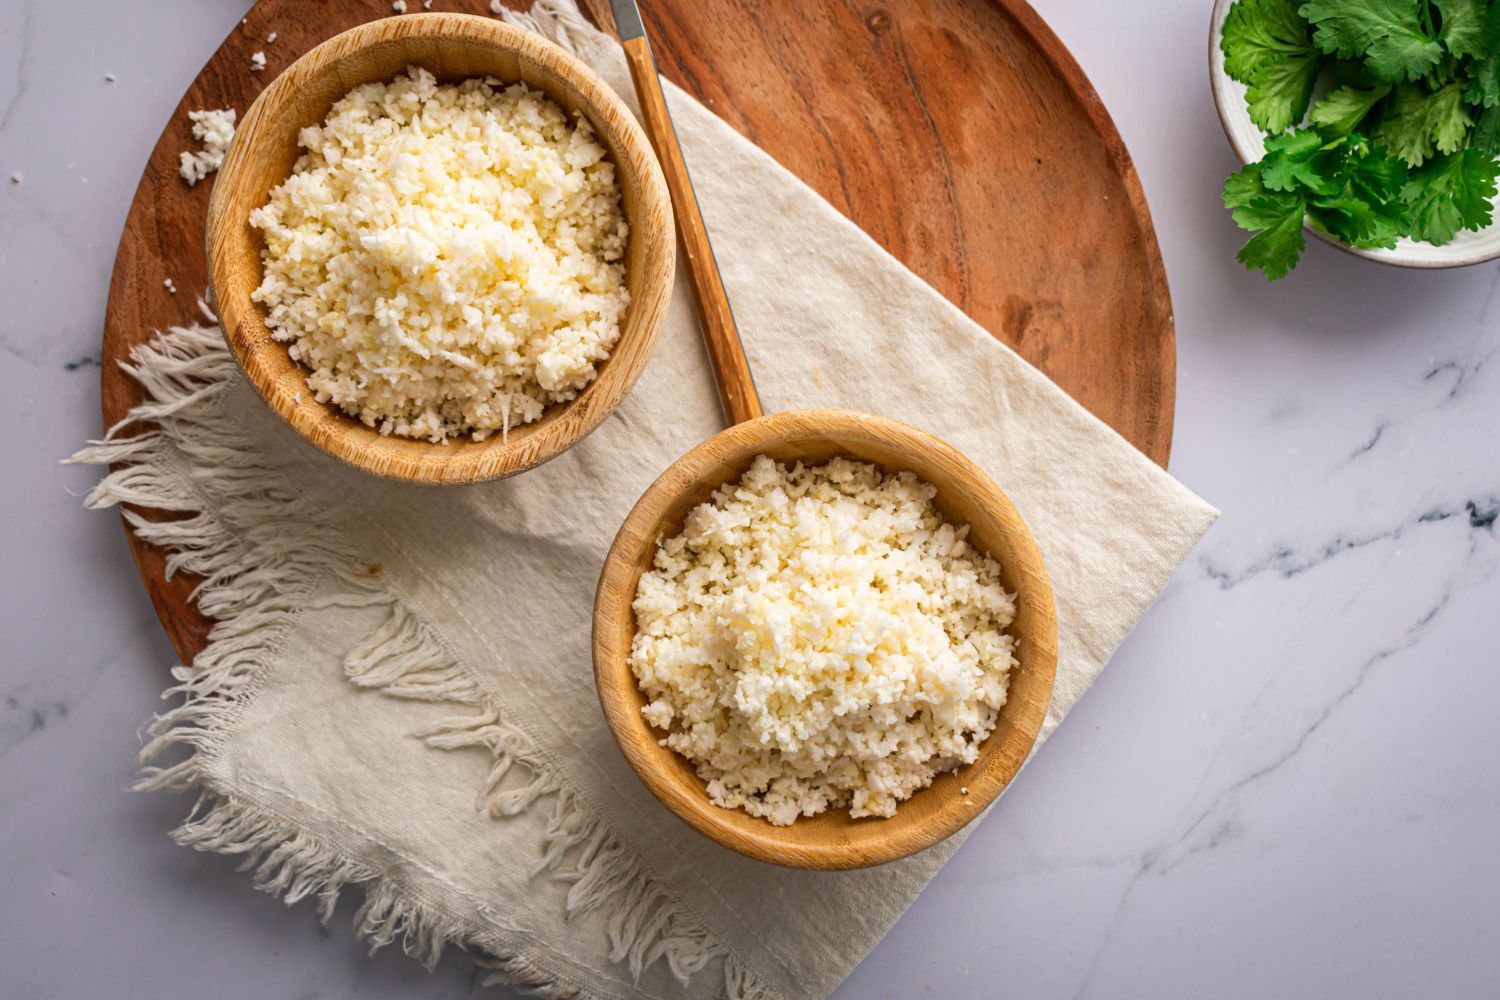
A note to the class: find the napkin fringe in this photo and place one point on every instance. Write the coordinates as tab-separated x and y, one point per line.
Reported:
403	659
261	550
559	21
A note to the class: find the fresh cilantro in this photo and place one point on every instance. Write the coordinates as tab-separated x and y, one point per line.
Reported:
1450	118
1463	27
1486	137
1419	123
1343	109
1482	86
1277	248
1369	211
1352	220
1275	217
1451	193
1344	185
1300	159
1267	48
1349	73
1387	33
1256	206
1419	78
1377	175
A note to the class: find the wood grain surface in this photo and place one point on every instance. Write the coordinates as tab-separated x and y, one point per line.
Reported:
958	133
831	840
455	46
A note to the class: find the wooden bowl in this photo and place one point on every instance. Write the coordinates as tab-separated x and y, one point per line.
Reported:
830	840
453	47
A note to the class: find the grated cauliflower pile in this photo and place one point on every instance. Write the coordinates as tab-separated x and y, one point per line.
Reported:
818	638
446	259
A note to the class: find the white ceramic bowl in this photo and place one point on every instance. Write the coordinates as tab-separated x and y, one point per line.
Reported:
1229	94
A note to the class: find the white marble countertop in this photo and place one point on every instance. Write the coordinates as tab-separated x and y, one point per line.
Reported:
1287	783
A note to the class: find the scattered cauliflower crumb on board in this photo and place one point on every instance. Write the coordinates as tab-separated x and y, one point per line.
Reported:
820	638
257	62
215	130
399	6
446	259
169	285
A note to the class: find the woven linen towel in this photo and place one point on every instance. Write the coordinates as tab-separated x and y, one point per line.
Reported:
388	655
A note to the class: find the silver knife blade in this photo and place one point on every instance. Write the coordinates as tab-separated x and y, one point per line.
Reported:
627	19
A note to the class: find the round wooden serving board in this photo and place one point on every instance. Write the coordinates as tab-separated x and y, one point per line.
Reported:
960	134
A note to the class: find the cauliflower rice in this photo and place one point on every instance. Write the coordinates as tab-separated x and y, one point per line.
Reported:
822	637
446	259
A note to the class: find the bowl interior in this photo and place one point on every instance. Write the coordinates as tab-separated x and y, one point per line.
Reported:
965	495
453	47
1249	145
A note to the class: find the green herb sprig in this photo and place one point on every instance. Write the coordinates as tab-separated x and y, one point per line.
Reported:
1403	143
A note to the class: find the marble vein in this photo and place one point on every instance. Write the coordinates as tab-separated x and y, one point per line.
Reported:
1287	561
1218	822
1219	816
23	82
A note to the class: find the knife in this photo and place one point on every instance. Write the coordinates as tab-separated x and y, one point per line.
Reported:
737	395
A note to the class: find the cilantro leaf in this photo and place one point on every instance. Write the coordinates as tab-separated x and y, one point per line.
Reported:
1451	193
1277	248
1343	109
1277	215
1368	211
1419	123
1350	219
1267	47
1257	32
1482	87
1385	32
1377	175
1253	205
1279	96
1486	135
1450	118
1463	27
1300	159
1349	73
1243	186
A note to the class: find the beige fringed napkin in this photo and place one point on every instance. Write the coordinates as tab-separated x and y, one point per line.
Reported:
387	656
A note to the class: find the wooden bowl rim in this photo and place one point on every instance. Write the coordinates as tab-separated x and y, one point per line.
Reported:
619	692
459	460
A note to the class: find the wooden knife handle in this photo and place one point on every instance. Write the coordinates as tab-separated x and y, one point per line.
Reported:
731	371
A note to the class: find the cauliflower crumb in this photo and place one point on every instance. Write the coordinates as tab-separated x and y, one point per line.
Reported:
496	7
170	286
215	129
399	6
446	259
257	62
271	38
818	638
